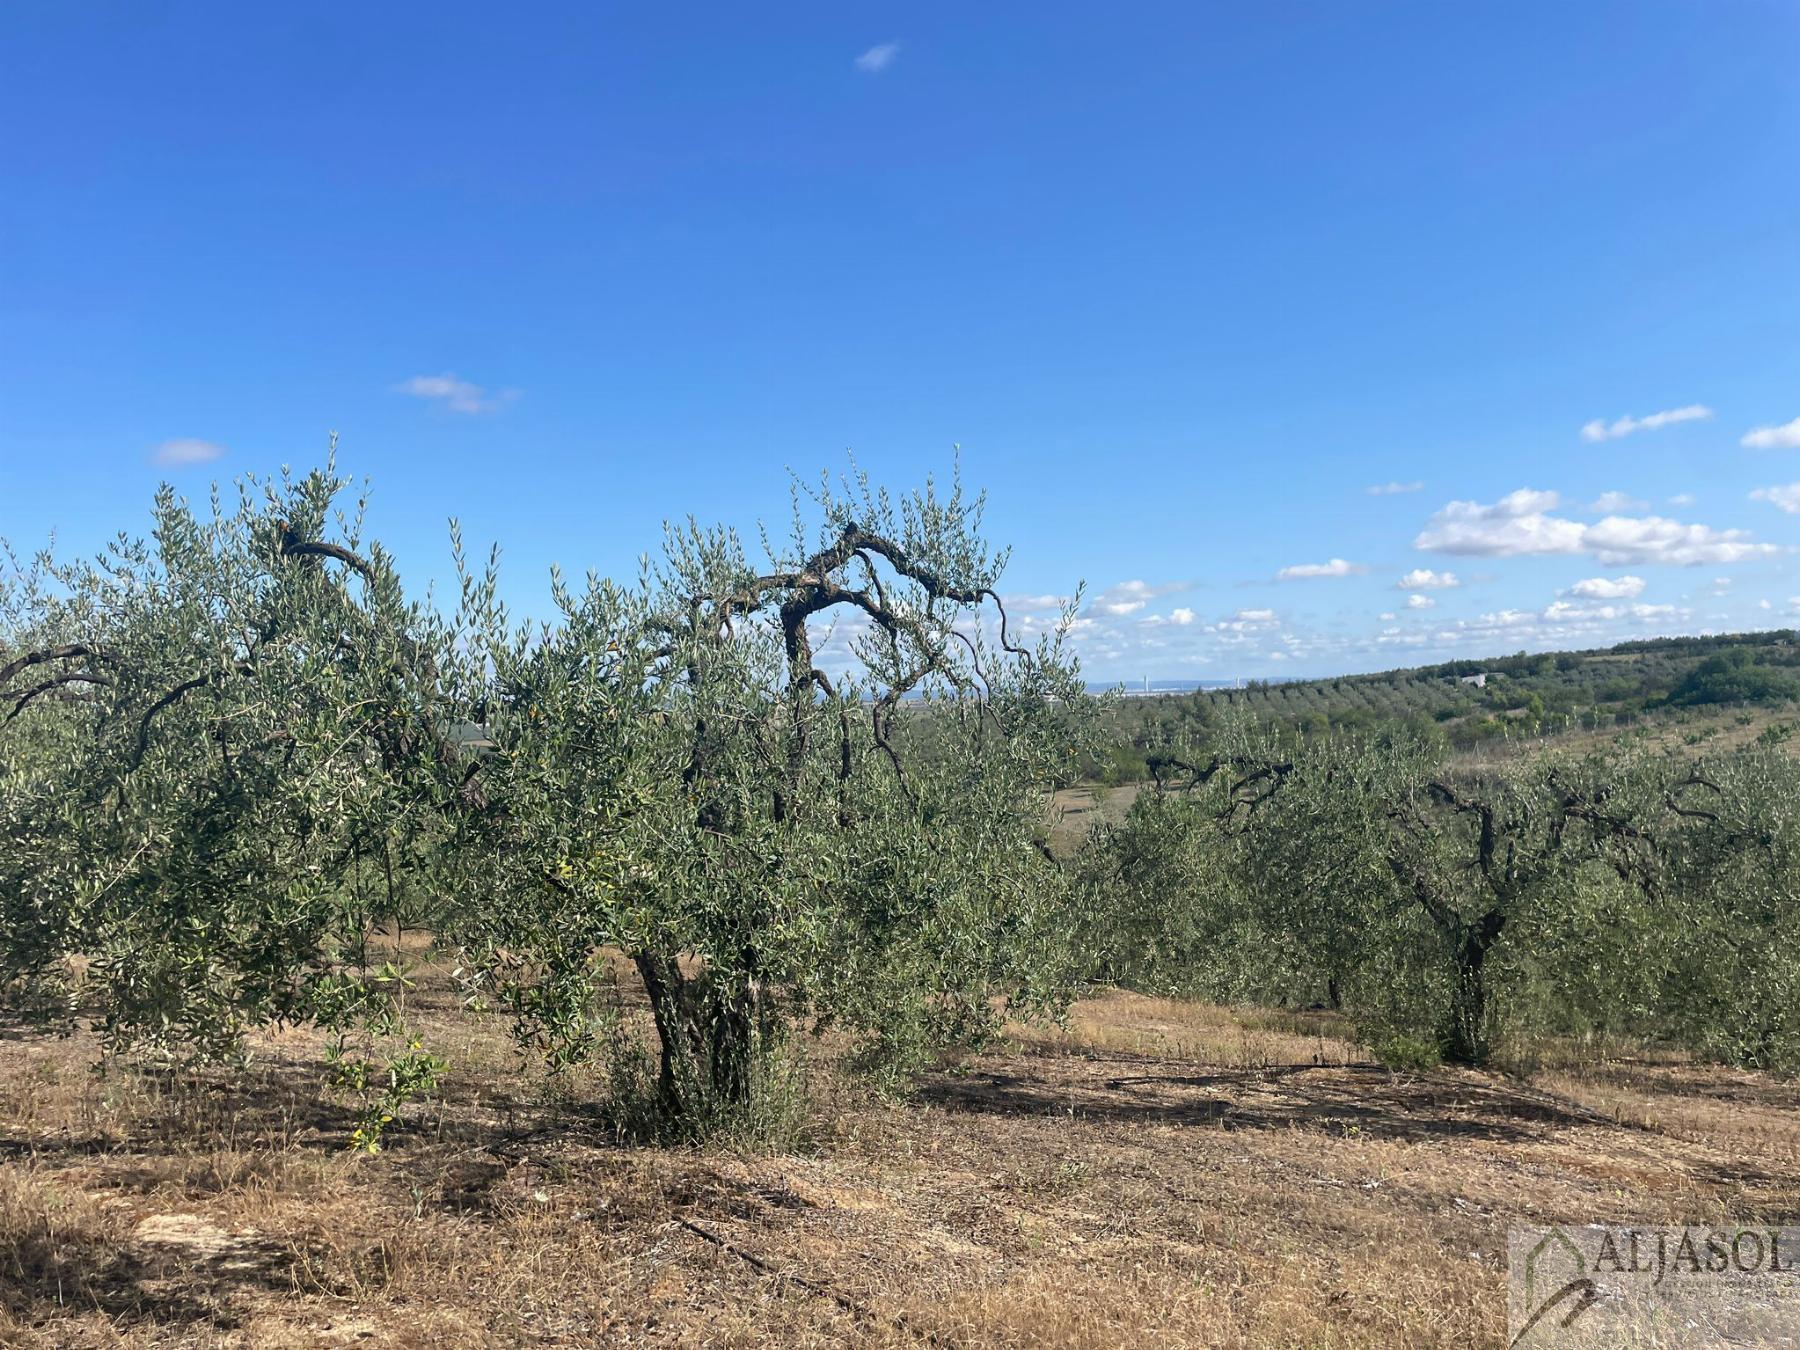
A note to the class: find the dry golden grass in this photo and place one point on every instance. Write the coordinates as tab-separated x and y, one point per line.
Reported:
1160	1173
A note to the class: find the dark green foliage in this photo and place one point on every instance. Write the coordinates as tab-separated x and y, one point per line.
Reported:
1636	893
1736	675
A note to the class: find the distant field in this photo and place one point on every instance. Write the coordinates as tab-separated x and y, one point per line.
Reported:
1712	692
1159	1173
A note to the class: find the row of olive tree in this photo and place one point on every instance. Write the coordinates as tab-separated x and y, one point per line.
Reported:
228	752
1624	889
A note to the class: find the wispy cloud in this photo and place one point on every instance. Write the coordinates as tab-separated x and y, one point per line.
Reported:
1420	602
1520	525
1619	503
1247	620
187	450
1787	497
1424	579
1033	604
1783	437
454	394
878	58
1128	597
1337	567
1565	611
1601	430
1393	489
1608	588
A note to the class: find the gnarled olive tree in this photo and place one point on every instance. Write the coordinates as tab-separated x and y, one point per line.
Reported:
806	792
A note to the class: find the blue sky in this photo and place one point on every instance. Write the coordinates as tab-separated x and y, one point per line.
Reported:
1185	282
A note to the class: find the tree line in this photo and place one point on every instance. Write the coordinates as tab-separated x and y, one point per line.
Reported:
234	750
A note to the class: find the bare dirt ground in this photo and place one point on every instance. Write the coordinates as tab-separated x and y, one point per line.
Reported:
1159	1173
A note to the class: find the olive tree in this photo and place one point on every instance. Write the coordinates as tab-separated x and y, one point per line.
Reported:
810	792
1410	888
212	742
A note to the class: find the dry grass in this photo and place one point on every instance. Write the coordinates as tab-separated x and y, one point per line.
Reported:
1160	1173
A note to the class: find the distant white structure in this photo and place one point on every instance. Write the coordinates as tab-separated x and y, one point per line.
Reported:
1479	681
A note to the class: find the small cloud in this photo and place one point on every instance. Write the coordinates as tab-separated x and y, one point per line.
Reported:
1618	503
455	395
1181	617
1608	588
1387	617
1393	489
1601	430
1246	620
1424	579
1764	604
1337	567
1420	602
187	450
1683	499
1128	597
1784	437
878	58
1786	498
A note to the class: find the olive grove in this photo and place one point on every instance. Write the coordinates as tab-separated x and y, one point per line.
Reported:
231	751
1448	903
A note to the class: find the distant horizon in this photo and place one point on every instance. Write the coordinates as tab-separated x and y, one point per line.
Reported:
1170	685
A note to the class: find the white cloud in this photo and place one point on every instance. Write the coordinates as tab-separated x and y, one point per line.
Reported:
1784	437
1516	524
1420	602
1128	597
878	58
1520	525
1601	430
187	450
1608	588
1181	617
456	395
1337	567
1652	539
1764	604
1386	617
1424	579
1392	489
1618	503
1786	497
1682	499
1246	621
1564	611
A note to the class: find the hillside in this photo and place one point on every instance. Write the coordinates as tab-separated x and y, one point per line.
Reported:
1655	683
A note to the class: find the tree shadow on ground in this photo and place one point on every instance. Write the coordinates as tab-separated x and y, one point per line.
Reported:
46	1273
1363	1100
